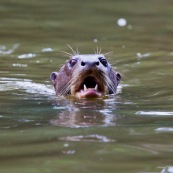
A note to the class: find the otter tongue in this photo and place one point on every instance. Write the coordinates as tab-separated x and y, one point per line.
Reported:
90	92
96	88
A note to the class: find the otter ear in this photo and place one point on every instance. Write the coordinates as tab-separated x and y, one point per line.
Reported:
53	76
118	76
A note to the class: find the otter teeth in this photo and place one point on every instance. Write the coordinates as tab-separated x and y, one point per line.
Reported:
96	87
85	87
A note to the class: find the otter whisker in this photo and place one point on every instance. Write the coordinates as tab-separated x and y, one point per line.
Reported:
100	50
110	86
107	53
70	55
66	88
106	81
72	49
95	52
109	83
65	91
77	51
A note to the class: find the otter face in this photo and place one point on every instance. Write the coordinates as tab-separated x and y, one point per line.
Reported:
86	76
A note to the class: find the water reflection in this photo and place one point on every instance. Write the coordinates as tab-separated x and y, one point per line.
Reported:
85	113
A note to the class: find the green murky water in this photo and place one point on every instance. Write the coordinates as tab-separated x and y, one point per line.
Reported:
130	133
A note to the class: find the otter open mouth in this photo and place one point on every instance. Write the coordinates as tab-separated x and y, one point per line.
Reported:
90	88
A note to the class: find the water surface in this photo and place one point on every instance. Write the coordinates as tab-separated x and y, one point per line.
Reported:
131	132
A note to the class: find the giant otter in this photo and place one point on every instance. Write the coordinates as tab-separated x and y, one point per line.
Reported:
86	76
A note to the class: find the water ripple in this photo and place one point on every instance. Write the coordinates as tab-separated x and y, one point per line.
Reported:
29	55
47	49
5	51
154	113
164	129
88	138
25	84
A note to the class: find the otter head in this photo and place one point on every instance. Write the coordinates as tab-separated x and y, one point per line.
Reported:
86	76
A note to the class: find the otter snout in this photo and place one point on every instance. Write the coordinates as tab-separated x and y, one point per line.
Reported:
90	63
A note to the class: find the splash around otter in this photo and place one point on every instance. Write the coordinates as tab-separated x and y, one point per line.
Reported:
86	76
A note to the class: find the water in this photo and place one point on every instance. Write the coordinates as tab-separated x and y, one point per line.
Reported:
131	132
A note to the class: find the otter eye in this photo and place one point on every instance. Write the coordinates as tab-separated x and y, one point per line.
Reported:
103	61
72	62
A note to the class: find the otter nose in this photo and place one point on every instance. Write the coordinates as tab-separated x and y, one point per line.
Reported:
90	63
